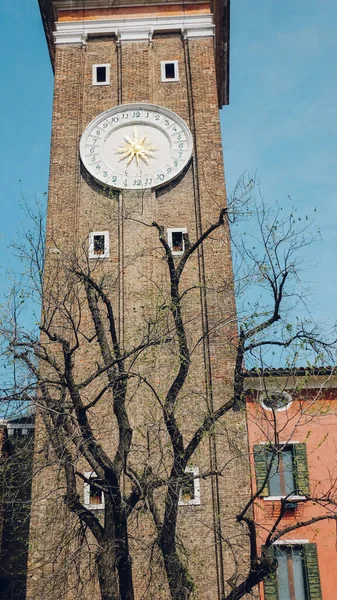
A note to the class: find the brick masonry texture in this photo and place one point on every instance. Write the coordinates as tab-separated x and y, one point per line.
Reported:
138	280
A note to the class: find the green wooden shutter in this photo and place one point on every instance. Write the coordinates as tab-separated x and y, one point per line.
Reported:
301	469
270	582
260	458
312	571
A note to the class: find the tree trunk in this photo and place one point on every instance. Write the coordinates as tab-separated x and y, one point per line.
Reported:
114	567
181	585
107	572
124	562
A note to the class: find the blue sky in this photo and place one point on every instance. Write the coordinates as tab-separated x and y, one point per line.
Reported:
282	120
281	123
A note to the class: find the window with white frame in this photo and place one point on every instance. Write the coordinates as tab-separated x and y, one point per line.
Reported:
175	239
190	487
169	70
93	494
101	74
99	244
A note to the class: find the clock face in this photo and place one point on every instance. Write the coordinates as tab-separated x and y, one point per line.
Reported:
136	146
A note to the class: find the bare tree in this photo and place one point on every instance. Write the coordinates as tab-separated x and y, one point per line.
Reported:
147	474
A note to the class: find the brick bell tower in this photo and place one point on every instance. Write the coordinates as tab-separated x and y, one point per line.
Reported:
136	139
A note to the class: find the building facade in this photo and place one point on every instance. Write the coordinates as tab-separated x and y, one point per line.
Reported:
136	184
292	437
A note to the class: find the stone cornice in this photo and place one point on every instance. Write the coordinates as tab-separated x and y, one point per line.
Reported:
92	4
50	10
133	29
301	379
221	13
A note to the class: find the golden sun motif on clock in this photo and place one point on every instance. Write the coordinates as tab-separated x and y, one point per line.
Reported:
137	148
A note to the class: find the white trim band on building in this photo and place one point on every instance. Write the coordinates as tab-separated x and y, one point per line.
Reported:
94	4
140	29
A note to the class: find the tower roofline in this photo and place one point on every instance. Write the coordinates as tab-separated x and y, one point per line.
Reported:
304	377
51	9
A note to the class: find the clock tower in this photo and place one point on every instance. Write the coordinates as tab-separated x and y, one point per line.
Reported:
136	180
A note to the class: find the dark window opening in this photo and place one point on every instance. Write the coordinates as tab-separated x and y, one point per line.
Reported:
177	241
101	74
95	494
170	72
17	432
99	245
187	488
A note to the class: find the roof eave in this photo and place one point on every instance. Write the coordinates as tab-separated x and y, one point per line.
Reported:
48	20
221	12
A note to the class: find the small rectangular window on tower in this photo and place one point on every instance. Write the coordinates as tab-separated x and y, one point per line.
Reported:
101	74
93	496
175	239
190	488
99	244
169	70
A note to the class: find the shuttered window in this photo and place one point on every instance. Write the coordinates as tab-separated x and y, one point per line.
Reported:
261	468
301	469
297	575
288	470
312	571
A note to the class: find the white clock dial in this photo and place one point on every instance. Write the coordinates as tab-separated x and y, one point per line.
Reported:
136	146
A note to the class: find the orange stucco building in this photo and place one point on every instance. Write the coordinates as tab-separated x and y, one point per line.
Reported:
292	428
